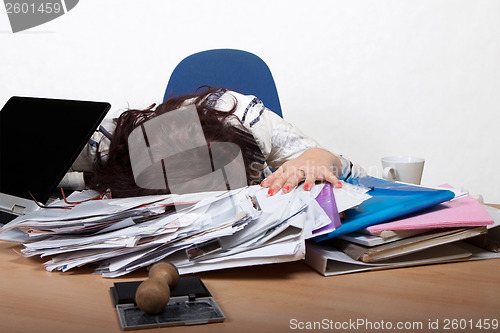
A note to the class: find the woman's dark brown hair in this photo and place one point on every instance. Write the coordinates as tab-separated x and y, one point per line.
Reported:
114	171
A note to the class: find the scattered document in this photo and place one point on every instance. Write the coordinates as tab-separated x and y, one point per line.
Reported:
196	232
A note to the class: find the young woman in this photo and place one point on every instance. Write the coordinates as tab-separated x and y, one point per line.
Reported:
267	142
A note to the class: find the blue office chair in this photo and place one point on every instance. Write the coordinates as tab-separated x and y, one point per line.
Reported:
235	70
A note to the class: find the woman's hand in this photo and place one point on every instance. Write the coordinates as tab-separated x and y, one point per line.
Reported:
313	165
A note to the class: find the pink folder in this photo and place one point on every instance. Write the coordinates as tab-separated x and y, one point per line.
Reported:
462	212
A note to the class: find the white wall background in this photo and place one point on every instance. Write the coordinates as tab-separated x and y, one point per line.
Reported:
365	78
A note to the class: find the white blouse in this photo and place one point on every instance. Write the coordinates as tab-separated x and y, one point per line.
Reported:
278	139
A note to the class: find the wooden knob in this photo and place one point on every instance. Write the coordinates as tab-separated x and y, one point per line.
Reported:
153	294
165	271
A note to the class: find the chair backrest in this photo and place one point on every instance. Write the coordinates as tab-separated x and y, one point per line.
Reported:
235	70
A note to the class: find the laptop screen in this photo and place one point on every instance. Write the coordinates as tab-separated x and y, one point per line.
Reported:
39	141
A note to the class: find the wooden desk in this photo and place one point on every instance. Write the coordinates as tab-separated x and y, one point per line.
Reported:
268	298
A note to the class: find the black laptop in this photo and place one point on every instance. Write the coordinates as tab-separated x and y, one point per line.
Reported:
40	138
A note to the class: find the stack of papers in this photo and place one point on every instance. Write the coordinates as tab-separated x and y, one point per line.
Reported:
196	232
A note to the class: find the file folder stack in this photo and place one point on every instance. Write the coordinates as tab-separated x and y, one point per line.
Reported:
403	225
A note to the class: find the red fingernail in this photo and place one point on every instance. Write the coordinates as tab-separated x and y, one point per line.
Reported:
286	189
307	187
271	191
339	184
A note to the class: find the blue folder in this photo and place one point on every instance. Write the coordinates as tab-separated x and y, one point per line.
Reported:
389	201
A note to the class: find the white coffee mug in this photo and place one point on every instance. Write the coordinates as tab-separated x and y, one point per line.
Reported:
407	169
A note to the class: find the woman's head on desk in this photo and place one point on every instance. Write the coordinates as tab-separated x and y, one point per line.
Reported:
212	141
183	145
